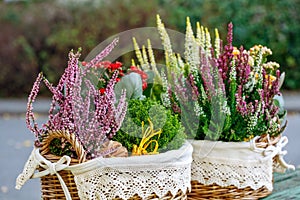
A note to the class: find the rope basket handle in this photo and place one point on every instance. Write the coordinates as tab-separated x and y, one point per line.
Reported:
70	137
265	140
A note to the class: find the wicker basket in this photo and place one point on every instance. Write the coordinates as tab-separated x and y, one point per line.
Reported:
214	191
50	184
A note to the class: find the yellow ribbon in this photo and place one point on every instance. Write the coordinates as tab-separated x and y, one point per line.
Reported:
147	135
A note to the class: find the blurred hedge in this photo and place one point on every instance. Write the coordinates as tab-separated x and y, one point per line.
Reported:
37	35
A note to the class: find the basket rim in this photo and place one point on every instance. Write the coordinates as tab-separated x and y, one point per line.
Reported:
70	137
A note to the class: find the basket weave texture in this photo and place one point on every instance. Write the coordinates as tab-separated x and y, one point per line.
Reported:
50	185
214	191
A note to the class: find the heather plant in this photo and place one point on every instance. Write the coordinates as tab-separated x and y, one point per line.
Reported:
78	107
220	92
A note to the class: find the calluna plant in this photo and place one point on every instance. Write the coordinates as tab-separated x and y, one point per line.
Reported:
78	106
221	92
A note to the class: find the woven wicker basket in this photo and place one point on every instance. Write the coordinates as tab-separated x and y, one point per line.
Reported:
200	191
50	184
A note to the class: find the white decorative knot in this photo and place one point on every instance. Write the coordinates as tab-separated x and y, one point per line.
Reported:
276	150
35	160
53	168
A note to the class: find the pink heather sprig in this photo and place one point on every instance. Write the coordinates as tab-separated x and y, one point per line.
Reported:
121	110
225	58
241	104
106	118
63	97
206	74
30	118
269	90
180	89
243	68
192	85
93	117
102	55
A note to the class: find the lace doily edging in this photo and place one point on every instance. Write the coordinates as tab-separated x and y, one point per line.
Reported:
240	176
108	183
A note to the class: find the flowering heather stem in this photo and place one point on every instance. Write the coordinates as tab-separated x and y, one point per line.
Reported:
102	55
226	57
30	118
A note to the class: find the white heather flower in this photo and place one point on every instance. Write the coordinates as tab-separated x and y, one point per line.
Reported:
207	42
138	52
232	73
180	63
165	99
251	123
151	57
145	66
157	77
199	110
200	35
191	52
164	81
217	43
170	57
225	108
133	62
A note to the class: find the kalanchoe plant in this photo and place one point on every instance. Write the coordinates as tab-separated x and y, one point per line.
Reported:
105	70
220	92
78	106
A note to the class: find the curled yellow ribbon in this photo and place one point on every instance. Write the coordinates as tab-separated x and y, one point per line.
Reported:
147	135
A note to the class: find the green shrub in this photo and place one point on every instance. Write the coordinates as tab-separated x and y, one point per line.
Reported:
172	136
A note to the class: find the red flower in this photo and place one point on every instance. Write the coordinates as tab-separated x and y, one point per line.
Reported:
133	68
118	79
143	75
144	86
121	73
115	65
103	64
84	63
102	90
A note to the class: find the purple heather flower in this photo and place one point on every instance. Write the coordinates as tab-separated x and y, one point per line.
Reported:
193	87
30	119
93	117
225	58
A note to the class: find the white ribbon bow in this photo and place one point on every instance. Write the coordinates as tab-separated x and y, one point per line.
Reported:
275	150
53	168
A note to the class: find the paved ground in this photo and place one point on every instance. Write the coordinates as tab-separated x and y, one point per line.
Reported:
16	144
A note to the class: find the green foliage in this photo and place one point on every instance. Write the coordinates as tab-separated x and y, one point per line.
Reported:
60	147
132	84
172	136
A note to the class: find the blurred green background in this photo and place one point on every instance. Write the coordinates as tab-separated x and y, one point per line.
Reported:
37	35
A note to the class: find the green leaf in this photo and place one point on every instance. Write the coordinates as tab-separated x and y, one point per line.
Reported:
132	83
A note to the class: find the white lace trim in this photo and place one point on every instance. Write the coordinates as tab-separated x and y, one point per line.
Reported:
226	172
108	178
142	175
108	183
240	164
29	169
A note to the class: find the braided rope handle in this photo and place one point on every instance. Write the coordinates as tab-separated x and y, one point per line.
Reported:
70	137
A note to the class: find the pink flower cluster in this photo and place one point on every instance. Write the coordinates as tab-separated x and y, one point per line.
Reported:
79	107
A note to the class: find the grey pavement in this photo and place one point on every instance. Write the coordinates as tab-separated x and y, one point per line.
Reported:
16	143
